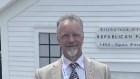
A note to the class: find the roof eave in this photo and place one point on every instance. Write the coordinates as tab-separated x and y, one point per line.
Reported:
7	4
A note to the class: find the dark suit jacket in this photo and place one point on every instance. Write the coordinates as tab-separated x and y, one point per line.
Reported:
94	70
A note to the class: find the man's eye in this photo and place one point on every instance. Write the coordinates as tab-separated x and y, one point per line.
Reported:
65	36
76	35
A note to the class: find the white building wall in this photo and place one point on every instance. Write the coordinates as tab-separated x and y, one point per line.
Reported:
123	63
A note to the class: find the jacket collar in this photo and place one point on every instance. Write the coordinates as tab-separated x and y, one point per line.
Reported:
89	67
56	71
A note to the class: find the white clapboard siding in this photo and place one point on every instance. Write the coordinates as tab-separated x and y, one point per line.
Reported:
21	39
20	29
31	24
86	24
21	68
28	44
105	23
21	77
22	59
94	19
126	75
84	8
113	50
22	48
123	63
89	35
16	63
88	14
124	66
88	2
113	56
20	33
22	53
16	73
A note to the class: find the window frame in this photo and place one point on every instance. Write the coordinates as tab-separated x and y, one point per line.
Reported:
53	51
38	30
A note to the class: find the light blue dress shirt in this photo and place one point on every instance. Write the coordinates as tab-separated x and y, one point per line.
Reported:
67	69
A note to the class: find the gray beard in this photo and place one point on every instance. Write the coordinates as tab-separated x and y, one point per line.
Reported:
72	53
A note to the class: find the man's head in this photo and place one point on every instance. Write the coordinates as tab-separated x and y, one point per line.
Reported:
70	36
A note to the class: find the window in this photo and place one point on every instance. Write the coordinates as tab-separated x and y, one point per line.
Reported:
49	49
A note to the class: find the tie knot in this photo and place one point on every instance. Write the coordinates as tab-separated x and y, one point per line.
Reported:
73	65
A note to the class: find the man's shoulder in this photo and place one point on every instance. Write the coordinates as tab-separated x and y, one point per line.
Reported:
95	62
49	66
99	65
100	68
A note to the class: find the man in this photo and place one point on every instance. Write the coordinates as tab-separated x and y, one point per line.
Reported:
70	37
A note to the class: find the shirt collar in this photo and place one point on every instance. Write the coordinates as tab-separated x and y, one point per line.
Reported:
66	62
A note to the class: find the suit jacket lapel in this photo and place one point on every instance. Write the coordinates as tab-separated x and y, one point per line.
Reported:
56	70
89	67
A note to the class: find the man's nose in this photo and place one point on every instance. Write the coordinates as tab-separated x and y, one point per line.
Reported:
71	38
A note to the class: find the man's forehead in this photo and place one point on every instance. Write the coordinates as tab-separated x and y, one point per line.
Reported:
67	21
70	25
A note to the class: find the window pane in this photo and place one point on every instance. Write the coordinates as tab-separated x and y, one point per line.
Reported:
43	50
43	38
53	39
55	50
54	59
49	49
43	61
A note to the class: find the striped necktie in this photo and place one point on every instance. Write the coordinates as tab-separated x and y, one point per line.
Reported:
74	74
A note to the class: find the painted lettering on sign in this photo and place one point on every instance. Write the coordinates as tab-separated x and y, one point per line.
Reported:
118	37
